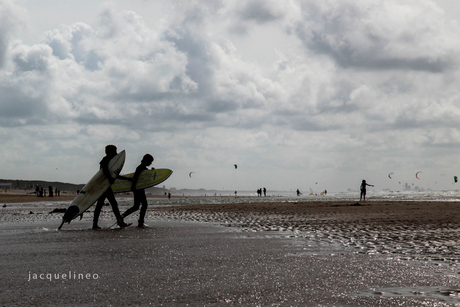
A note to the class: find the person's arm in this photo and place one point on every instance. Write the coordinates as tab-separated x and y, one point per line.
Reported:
105	170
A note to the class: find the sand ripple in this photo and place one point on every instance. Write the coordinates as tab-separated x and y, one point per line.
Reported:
401	230
394	232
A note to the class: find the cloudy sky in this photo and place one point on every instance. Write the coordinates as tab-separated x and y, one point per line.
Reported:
298	93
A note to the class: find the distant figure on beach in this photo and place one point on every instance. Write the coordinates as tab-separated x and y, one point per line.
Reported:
298	192
169	195
139	195
265	192
37	191
50	190
110	152
363	189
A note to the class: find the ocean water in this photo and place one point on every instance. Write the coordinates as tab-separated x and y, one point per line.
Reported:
289	196
207	197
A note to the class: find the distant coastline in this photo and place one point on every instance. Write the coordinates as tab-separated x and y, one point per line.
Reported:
29	185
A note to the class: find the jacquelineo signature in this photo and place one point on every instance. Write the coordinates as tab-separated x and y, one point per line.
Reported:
62	276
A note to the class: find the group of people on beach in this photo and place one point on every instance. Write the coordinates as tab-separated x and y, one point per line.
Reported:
260	191
41	192
140	198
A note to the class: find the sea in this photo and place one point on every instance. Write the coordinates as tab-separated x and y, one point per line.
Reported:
214	197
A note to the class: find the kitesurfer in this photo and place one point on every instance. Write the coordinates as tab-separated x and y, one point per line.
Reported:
139	194
363	189
110	152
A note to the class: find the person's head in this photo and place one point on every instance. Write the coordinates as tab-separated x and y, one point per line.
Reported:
147	159
364	181
111	150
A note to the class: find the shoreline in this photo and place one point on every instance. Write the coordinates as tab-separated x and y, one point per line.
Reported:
17	198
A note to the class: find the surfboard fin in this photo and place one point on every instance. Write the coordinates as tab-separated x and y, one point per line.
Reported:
63	221
81	216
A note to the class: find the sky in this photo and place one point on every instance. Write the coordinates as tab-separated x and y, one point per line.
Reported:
299	94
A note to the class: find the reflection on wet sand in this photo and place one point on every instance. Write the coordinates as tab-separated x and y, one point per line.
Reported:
413	231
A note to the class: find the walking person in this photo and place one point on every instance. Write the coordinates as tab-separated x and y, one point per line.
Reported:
139	194
110	151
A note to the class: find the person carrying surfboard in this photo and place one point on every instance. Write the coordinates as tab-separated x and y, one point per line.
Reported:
139	194
110	151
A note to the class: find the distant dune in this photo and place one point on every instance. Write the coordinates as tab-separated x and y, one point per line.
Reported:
31	184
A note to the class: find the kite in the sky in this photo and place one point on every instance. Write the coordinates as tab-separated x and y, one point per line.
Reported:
236	166
389	175
455	179
416	175
190	174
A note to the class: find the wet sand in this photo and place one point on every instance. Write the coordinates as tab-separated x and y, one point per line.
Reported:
324	253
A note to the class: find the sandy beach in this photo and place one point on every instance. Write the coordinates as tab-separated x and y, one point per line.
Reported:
271	253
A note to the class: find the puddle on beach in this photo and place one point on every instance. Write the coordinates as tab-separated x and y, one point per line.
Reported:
439	294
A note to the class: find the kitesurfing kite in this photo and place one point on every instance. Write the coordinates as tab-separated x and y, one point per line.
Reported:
455	179
190	174
389	175
236	166
416	175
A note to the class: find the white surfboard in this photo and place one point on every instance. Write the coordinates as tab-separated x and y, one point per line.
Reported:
94	189
147	179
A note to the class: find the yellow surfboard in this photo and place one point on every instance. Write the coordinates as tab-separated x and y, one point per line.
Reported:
146	179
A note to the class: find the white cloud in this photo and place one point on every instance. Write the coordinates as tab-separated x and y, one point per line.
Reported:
12	19
366	87
380	34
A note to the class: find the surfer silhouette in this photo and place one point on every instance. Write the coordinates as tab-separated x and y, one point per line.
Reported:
139	195
110	151
363	189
